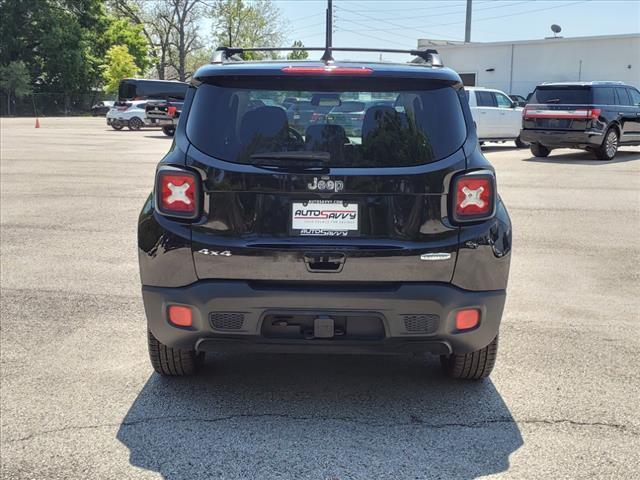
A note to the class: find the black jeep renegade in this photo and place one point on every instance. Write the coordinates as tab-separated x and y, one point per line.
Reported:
259	236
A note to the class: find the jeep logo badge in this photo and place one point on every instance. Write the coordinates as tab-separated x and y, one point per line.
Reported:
325	184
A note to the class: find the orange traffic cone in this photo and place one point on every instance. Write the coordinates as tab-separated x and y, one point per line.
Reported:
37	123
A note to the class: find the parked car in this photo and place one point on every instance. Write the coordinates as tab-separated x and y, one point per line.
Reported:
350	115
497	117
595	116
303	113
260	236
519	100
128	114
100	109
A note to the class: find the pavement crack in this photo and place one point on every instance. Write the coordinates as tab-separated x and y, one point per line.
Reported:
414	421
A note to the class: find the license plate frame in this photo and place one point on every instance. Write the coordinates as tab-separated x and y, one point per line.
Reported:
307	217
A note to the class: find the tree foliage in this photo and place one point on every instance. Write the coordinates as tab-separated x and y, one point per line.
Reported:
14	82
121	31
240	24
298	54
120	64
171	30
63	43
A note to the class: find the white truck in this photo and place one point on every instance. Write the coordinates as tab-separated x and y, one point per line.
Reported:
497	117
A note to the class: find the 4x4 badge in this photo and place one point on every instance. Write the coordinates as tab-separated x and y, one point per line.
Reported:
206	251
326	184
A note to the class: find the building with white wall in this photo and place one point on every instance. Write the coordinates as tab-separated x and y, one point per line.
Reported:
517	67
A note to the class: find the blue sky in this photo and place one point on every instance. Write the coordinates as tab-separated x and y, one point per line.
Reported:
398	24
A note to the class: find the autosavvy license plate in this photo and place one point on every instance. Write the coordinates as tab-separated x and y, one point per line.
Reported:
328	218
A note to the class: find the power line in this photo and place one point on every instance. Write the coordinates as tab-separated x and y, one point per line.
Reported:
400	26
422	26
413	9
511	14
458	12
392	30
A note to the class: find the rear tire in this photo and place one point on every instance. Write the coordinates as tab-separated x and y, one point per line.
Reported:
169	131
609	146
117	125
172	362
520	143
135	123
539	150
471	366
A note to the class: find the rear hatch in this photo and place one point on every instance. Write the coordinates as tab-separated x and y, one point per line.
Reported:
560	107
164	109
312	201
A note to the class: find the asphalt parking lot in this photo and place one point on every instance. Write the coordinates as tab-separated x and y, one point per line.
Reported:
79	399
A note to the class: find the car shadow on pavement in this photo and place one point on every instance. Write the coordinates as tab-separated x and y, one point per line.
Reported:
319	417
581	157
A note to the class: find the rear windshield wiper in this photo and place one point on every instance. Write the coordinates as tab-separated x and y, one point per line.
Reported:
296	159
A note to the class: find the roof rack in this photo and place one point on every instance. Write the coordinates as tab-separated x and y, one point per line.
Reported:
226	54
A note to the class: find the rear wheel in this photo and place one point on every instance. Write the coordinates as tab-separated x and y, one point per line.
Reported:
169	131
172	362
117	125
540	150
609	146
135	124
471	366
520	143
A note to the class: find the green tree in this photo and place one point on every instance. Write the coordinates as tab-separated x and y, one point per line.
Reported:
121	31
120	64
240	24
298	54
14	82
60	41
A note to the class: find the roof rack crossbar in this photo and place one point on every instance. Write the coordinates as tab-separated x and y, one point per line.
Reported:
224	54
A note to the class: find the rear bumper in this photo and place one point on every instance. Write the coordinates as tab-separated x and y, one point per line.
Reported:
393	306
563	138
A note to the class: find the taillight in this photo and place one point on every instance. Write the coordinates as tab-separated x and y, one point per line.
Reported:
177	192
539	111
474	196
171	111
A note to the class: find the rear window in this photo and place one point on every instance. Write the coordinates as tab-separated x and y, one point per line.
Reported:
573	95
400	126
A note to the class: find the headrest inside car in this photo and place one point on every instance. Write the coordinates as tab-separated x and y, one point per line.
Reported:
268	122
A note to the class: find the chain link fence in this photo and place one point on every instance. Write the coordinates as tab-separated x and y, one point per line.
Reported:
52	104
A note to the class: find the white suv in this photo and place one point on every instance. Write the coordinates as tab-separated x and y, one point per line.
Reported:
129	114
496	116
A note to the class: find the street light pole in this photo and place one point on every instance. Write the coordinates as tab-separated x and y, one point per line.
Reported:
467	27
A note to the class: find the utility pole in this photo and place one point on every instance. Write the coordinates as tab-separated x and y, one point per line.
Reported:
327	56
467	27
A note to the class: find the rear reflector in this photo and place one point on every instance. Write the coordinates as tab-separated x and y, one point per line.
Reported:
330	69
180	316
171	111
575	114
177	193
467	319
474	197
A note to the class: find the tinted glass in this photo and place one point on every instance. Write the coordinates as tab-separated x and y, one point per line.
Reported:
635	96
621	97
485	99
130	89
503	101
604	96
422	125
572	95
349	107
